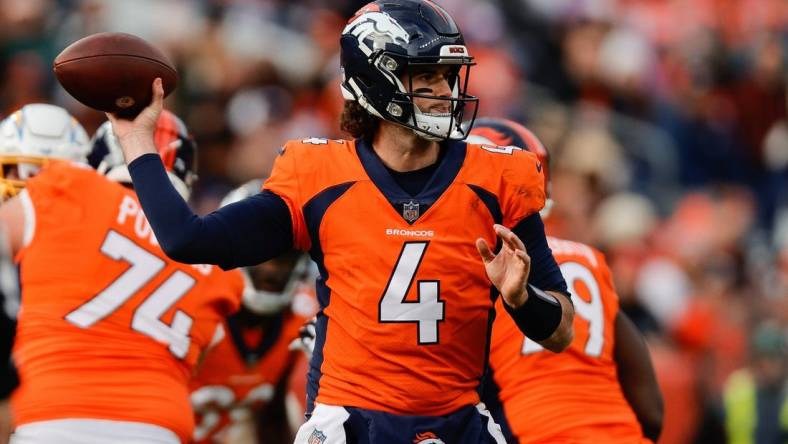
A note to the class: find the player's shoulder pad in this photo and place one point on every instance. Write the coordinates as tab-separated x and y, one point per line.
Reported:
512	174
312	154
509	161
65	175
312	146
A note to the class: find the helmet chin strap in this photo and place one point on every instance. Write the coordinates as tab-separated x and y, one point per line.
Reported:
439	126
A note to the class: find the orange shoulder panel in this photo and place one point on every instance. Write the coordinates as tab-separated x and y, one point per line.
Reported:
515	176
306	167
62	181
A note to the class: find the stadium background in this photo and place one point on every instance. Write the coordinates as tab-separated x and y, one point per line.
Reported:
666	120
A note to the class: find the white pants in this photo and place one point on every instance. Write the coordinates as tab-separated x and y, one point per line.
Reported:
92	431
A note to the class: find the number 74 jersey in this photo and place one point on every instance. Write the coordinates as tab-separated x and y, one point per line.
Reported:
572	396
110	328
406	301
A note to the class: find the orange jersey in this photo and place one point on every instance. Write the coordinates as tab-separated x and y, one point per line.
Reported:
573	396
109	327
404	294
236	378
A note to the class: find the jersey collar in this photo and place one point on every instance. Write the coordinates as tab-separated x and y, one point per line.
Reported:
448	168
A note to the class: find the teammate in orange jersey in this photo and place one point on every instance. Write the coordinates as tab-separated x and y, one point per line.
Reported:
400	223
243	380
109	329
602	389
27	136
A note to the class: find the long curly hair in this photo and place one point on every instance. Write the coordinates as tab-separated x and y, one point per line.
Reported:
357	121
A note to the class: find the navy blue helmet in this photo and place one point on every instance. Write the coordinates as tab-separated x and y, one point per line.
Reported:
384	42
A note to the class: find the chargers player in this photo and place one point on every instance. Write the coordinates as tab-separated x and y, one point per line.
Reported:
109	329
401	223
243	380
27	137
602	388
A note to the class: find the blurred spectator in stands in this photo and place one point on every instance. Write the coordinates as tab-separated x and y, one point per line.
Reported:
756	397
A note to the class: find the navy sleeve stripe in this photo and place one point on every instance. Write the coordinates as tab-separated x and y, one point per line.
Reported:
314	210
490	201
261	224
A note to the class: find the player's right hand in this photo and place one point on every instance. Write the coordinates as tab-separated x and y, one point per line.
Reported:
306	338
508	270
136	136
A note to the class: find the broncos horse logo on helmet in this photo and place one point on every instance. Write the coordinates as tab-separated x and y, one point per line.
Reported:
383	42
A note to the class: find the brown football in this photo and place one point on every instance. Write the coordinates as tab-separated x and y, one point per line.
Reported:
113	72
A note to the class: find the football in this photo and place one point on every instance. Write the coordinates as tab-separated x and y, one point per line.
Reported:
113	72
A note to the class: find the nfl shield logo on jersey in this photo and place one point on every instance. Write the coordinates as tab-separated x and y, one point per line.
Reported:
317	437
410	211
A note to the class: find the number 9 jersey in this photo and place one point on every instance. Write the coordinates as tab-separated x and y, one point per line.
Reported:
110	328
406	302
572	396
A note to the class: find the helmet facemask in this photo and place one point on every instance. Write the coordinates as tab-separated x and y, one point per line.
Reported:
15	170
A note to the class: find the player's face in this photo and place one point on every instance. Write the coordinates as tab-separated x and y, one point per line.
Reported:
274	274
13	173
434	80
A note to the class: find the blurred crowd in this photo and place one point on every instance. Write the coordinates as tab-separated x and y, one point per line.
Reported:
666	120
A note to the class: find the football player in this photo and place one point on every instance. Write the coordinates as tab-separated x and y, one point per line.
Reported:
602	388
9	300
109	329
401	223
243	380
27	137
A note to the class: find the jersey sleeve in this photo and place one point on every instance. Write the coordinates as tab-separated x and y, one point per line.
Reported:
284	182
55	183
523	192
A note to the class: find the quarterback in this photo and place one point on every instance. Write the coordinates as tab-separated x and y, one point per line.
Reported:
404	223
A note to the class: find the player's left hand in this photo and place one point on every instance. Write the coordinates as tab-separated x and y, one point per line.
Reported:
306	338
508	270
